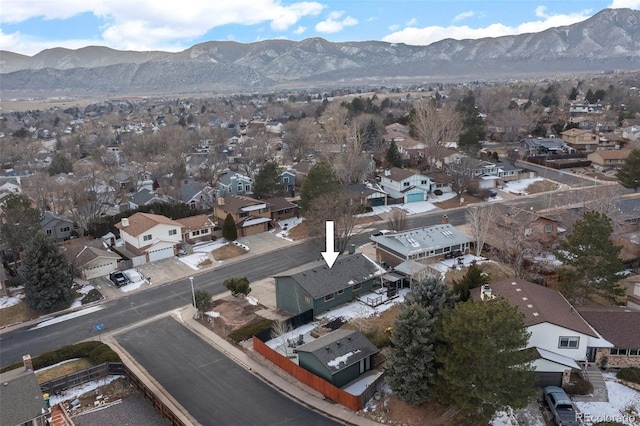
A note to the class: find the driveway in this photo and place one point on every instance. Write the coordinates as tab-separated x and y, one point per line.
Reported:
211	387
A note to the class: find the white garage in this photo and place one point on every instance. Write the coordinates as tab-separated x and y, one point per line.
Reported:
94	262
160	251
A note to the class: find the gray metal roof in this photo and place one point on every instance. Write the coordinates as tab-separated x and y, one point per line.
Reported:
340	349
319	280
21	398
421	240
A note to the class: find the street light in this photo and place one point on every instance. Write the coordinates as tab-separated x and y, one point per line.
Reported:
193	294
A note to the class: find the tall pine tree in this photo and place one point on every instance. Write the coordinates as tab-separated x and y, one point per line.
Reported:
393	157
594	261
413	365
629	174
267	182
46	276
321	179
229	230
483	367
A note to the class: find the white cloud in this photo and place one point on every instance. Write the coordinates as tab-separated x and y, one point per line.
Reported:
149	24
300	30
428	35
334	24
464	15
411	22
620	4
394	27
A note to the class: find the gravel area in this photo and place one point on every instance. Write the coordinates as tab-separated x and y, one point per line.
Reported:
134	410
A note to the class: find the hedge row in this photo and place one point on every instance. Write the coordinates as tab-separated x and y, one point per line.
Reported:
631	374
96	352
247	331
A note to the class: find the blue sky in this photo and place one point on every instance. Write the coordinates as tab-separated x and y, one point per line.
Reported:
29	26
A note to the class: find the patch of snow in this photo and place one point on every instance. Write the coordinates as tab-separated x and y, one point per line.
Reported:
287	225
358	309
520	186
623	405
210	246
212	314
341	359
66	317
132	286
239	244
251	300
6	302
417	207
291	335
75	392
193	260
85	289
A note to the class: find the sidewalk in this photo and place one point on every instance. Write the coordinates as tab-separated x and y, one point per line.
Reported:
273	376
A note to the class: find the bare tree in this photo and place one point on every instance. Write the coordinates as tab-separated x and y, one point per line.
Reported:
280	330
481	221
460	175
435	127
300	136
334	123
398	220
341	210
352	163
514	122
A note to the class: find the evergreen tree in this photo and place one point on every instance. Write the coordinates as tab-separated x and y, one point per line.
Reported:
268	183
321	179
229	230
19	222
629	174
46	276
574	94
473	278
595	260
60	163
393	157
373	140
589	96
473	125
237	286
413	365
203	300
483	365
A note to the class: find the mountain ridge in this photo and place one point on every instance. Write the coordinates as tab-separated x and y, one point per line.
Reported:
608	40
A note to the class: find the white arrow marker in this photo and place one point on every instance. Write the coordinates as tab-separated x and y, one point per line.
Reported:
329	255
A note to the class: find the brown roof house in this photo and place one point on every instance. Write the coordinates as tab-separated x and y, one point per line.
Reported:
608	159
21	399
91	259
251	216
559	334
539	229
580	140
150	236
197	228
620	326
282	209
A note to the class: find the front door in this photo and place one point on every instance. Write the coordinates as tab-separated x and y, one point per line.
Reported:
591	354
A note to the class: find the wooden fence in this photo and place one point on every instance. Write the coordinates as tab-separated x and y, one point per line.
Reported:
352	402
81	377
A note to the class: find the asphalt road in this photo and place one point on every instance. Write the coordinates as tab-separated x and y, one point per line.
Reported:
140	306
210	386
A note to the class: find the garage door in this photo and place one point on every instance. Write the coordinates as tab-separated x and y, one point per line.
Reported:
99	270
376	201
413	198
548	379
160	254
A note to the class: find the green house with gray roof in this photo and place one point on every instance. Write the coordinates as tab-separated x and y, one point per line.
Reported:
320	288
338	357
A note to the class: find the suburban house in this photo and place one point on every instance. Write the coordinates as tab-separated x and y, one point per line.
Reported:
145	197
585	108
608	159
282	209
91	259
633	293
150	235
508	171
580	140
484	173
250	215
338	357
405	186
317	287
234	184
197	195
517	222
543	146
365	194
288	180
631	133
301	170
57	227
197	228
21	399
558	331
620	326
424	245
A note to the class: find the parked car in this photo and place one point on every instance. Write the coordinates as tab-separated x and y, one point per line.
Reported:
564	413
118	279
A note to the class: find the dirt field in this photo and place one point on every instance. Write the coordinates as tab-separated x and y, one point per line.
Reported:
63	370
16	314
227	252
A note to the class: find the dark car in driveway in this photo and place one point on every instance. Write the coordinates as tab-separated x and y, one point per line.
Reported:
118	279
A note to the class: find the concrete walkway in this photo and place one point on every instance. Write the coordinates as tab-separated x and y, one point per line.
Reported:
600	393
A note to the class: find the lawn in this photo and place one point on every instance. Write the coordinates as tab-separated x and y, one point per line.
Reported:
16	314
227	252
63	369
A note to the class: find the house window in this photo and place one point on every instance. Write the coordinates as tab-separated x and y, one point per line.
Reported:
548	227
247	188
173	231
195	233
205	231
634	352
146	237
569	342
65	229
405	184
423	182
329	297
239	186
340	292
307	299
285	179
357	286
48	231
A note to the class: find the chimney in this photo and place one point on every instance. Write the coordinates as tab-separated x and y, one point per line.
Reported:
28	364
445	219
124	222
221	201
